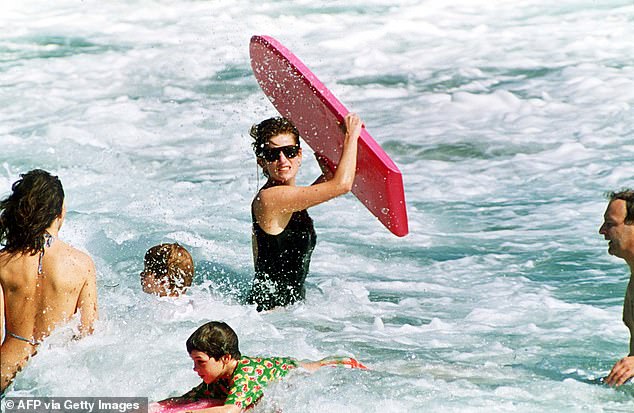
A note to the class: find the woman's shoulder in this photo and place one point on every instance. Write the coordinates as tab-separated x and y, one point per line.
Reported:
74	258
268	190
11	262
5	257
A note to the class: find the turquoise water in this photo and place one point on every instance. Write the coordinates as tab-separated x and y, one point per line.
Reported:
509	121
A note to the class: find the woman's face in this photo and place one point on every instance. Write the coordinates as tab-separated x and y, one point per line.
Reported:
284	168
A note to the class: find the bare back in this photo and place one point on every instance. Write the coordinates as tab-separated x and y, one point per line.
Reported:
36	303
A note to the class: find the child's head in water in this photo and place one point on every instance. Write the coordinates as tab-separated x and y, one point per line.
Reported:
168	270
214	349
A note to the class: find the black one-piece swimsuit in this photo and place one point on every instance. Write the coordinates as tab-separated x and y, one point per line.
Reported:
282	262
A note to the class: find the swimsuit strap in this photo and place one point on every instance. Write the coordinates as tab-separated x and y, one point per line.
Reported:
31	341
48	241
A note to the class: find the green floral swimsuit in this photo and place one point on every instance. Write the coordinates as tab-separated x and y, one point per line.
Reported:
249	379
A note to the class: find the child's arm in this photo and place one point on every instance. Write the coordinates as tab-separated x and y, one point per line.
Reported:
173	400
193	396
332	361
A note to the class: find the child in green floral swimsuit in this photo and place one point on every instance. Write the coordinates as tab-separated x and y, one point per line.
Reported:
238	380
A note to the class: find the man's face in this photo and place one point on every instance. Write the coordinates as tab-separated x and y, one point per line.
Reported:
619	234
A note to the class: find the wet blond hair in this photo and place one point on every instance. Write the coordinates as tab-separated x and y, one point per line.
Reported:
172	264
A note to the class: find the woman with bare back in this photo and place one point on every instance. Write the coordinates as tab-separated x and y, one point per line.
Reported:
43	280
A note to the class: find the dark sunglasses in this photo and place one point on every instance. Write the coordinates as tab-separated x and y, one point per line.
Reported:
273	154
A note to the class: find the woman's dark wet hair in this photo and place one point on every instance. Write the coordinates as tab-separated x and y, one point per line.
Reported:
215	339
37	200
263	132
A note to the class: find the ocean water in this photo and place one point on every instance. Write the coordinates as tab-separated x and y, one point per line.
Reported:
509	120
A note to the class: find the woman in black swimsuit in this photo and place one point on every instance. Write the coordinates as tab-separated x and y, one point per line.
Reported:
283	233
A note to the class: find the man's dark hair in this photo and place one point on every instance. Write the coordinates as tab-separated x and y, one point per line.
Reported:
626	195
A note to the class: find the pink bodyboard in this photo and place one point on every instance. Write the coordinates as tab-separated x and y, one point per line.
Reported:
298	95
183	406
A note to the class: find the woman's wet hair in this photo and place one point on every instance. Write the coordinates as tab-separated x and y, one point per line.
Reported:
171	263
215	339
36	201
263	132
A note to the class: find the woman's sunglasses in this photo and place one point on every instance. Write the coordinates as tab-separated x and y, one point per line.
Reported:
273	154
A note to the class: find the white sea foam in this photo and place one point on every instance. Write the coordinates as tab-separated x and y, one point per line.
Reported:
509	120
